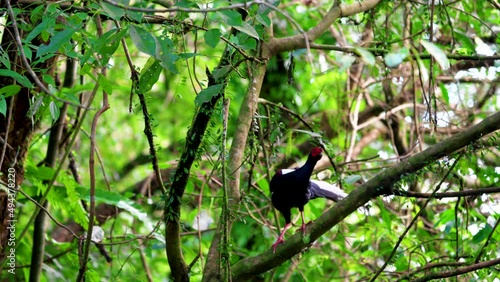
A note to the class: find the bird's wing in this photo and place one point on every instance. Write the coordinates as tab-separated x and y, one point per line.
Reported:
322	189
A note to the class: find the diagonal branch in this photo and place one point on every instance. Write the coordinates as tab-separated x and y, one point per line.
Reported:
298	41
379	185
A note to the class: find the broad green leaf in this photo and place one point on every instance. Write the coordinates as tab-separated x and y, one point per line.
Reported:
444	93
116	199
28	52
437	54
186	4
221	72
446	216
263	184
113	11
48	79
10	90
166	54
187	55
393	59
366	55
207	94
19	78
107	44
104	82
424	74
248	44
3	106
61	37
466	42
231	17
350	179
263	19
143	40
212	37
482	234
54	111
47	24
72	98
149	75
248	29
4	58
385	215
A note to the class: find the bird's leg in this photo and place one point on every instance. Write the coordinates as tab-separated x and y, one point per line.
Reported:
280	238
303	227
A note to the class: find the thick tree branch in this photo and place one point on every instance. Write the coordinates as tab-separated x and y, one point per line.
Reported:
379	185
172	209
464	193
247	110
459	271
294	42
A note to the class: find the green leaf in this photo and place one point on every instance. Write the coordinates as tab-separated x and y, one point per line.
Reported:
166	54
446	216
466	42
48	79
41	172
437	54
48	23
113	11
149	75
207	94
104	82
386	218
24	81
108	43
54	111
248	29
393	59
3	106
116	199
10	90
4	58
187	55
247	43
73	199
61	37
350	179
72	98
482	234
444	93
366	55
143	40
231	17
263	19
212	37
221	72
28	52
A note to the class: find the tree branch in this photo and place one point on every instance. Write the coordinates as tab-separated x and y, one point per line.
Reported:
298	41
458	271
378	185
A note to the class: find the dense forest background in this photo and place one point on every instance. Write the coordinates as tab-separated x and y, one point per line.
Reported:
156	126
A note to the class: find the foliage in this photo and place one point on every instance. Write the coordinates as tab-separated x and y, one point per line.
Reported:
382	82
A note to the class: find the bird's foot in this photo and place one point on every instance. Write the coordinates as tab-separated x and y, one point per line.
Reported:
303	228
279	241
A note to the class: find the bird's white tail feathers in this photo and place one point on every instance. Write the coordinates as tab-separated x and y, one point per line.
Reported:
323	189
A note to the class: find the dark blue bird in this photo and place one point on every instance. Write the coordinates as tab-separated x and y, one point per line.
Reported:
293	189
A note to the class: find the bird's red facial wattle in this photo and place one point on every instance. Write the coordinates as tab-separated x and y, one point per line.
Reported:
316	152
